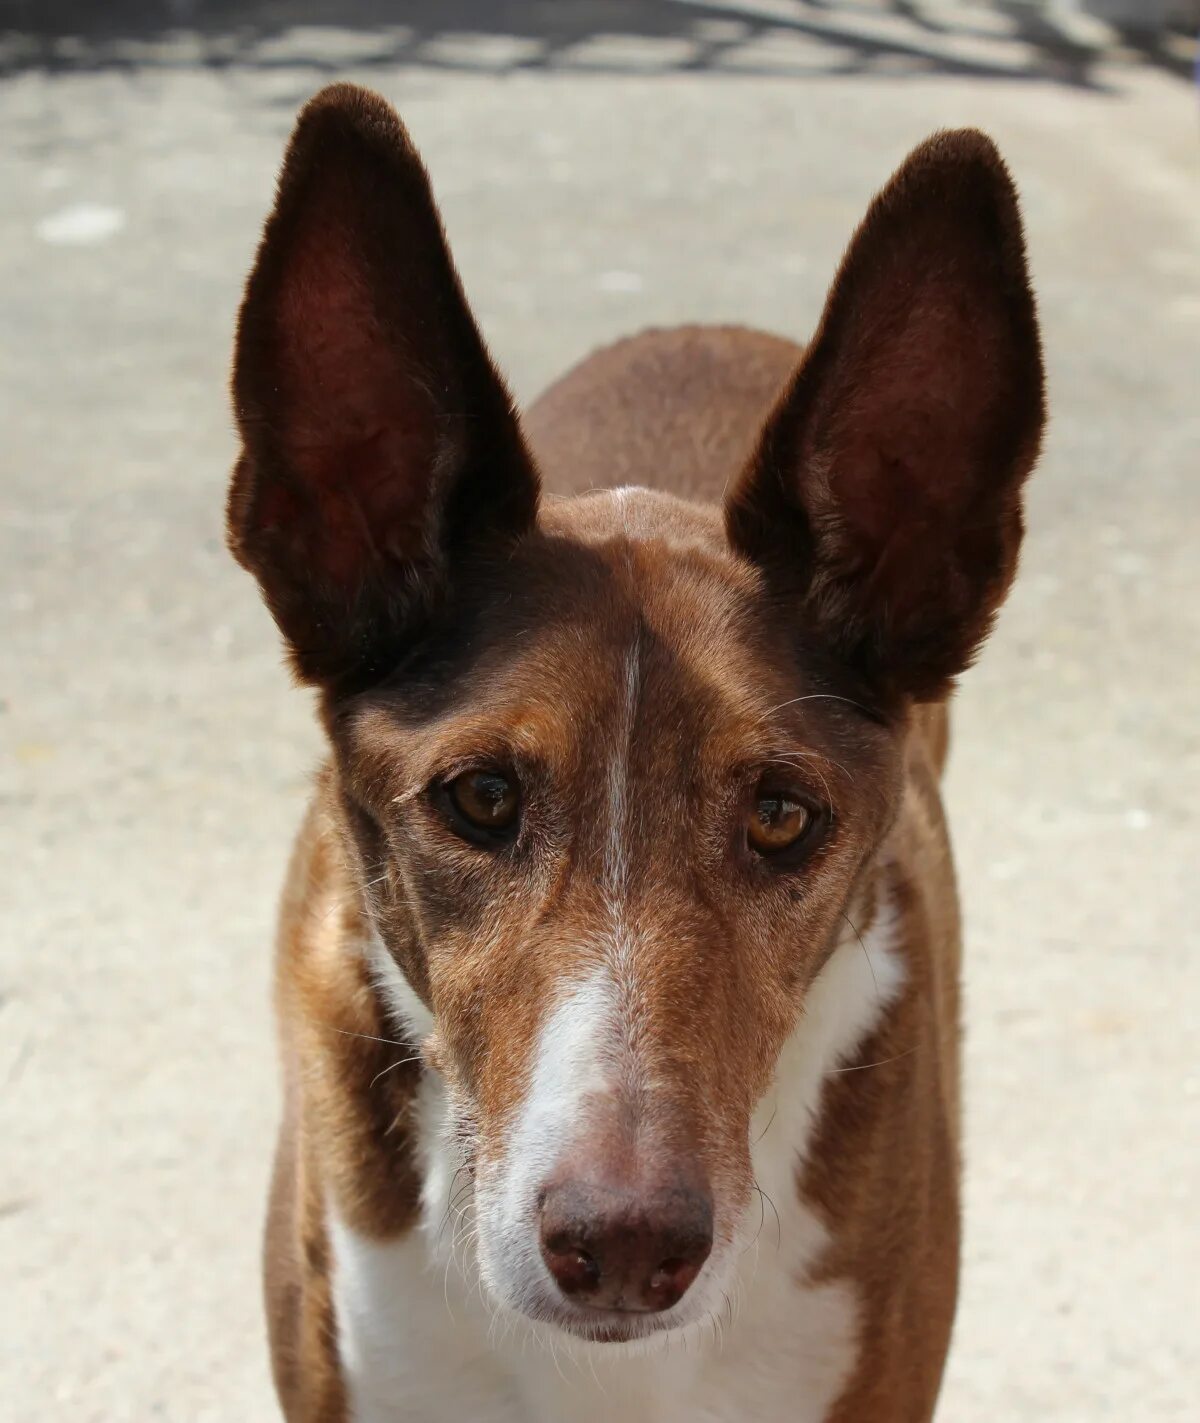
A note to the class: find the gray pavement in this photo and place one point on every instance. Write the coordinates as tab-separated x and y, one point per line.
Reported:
602	166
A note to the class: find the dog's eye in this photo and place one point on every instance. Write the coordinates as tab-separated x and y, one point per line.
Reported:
779	820
485	804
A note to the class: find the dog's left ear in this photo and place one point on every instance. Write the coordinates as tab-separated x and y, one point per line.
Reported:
380	448
884	495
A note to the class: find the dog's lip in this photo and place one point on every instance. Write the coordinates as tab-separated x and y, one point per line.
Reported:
607	1326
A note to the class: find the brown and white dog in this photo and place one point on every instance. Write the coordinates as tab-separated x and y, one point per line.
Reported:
618	965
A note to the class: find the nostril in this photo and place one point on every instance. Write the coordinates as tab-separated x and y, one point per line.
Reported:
669	1282
575	1271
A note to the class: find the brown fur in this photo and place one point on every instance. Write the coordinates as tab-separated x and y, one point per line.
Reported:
385	500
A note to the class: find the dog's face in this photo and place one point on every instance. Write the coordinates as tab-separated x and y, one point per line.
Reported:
610	816
609	771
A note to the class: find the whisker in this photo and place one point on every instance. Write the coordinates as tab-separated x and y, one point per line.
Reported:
367	1037
762	1219
866	955
449	1203
446	1286
818	697
591	1358
343	901
778	1223
767	1128
817	761
554	1358
883	1062
809	760
462	1202
404	1061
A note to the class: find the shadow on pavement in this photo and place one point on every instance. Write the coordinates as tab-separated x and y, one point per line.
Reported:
897	39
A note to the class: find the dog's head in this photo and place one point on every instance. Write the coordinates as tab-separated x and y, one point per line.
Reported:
609	769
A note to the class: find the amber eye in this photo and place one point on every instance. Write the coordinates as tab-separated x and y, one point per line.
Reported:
778	820
486	803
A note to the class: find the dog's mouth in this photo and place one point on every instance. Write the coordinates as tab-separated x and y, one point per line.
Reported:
607	1326
615	1325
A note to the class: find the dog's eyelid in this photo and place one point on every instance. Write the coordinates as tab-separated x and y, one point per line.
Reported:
488	761
803	772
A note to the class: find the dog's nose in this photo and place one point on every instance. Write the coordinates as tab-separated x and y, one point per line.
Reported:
610	1247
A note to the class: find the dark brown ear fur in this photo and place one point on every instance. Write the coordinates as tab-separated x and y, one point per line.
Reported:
378	439
885	490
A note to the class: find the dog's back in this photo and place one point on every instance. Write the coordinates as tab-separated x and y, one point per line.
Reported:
677	409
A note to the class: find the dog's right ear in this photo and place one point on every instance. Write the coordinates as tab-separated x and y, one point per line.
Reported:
378	440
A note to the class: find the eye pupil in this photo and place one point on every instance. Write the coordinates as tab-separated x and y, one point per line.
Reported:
485	800
491	792
778	821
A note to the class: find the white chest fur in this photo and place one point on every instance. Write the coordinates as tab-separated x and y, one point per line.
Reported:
418	1344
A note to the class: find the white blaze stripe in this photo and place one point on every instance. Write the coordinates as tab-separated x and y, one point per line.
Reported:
616	859
574	1062
587	1049
619	940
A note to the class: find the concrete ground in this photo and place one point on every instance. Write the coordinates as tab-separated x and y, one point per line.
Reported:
602	166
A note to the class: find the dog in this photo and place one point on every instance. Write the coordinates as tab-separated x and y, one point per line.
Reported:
618	961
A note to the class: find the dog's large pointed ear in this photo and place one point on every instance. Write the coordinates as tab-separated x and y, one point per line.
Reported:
885	492
378	441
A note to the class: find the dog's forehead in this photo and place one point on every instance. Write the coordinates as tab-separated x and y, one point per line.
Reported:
625	594
643	583
640	563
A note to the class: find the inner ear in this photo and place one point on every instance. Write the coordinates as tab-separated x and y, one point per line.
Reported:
355	428
885	490
379	441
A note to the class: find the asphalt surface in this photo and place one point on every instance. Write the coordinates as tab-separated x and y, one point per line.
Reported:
602	167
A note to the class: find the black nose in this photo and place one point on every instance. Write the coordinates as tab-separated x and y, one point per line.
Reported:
614	1248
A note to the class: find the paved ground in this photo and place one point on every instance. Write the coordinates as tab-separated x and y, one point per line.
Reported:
602	166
